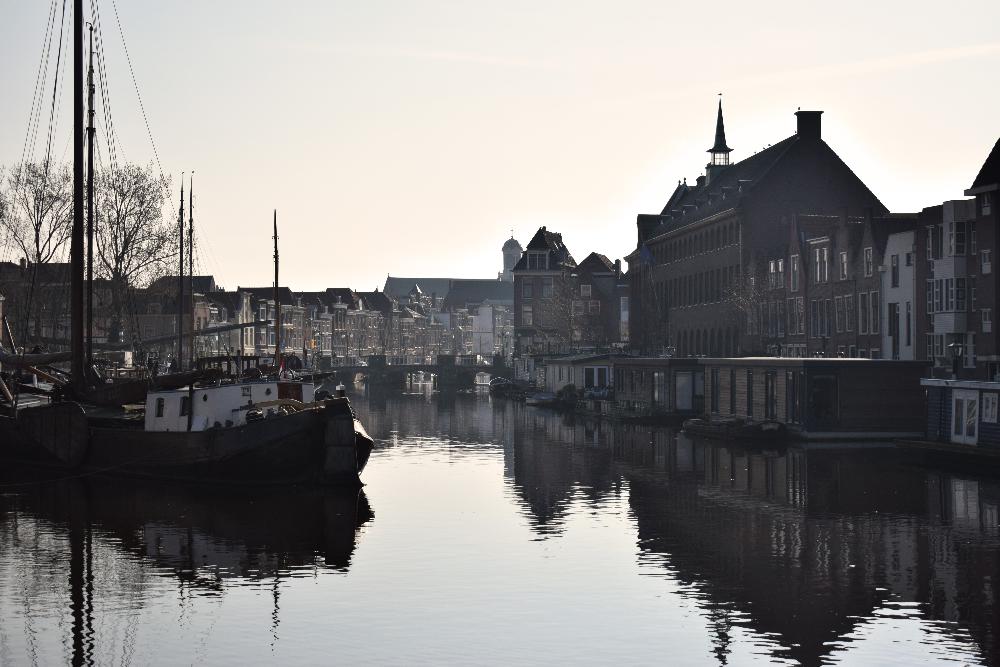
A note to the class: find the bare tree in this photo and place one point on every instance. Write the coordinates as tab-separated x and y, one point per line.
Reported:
747	297
38	214
134	241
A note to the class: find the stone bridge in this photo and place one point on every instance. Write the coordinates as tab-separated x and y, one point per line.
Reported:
448	371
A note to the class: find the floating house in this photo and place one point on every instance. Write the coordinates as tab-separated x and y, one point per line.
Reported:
819	398
963	413
655	386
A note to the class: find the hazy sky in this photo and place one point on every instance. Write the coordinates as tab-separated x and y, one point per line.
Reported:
411	137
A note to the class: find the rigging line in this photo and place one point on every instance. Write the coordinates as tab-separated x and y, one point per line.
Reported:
111	136
55	93
135	83
112	139
36	96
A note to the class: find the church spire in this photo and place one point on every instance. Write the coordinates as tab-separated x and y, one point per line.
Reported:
720	151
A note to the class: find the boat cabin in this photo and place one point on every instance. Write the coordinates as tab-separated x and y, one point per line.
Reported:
220	406
819	398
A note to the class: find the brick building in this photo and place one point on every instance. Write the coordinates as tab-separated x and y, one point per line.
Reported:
699	263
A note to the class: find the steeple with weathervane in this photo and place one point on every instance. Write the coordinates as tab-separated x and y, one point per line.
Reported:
720	151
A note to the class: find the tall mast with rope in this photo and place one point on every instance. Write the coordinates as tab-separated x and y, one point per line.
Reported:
180	283
191	259
76	238
277	300
90	203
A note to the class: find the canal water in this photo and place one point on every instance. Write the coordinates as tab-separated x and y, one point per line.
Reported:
494	533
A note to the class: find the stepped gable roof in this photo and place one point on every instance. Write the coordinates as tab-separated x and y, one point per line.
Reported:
376	300
597	263
473	292
285	295
551	241
399	288
989	175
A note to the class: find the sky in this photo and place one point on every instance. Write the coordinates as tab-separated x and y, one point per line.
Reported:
411	138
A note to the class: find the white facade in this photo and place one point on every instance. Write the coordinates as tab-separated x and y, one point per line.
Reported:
899	297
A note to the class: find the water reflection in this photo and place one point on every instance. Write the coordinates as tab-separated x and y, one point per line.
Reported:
113	536
514	534
806	547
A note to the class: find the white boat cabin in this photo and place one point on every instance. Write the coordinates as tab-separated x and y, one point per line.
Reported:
220	406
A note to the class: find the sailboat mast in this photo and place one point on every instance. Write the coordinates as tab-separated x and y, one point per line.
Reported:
90	203
191	260
76	238
277	301
180	283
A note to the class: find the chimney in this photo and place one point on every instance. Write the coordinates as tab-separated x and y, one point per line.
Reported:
24	264
618	267
808	124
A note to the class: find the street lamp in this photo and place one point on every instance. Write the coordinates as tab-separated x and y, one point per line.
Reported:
956	349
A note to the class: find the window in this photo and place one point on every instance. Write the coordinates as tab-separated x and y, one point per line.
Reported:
868	263
585	291
537	260
863	312
547	289
770	395
822	270
894	266
813	319
750	394
930	297
960	294
732	392
185	406
909	324
987	314
800	307
843	266
715	390
909	259
989	408
839	308
526	289
930	347
794	269
986	203
986	262
875	312
159	407
595	307
849	312
956	238
526	316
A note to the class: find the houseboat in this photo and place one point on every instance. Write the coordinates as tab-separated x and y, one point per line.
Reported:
813	398
961	418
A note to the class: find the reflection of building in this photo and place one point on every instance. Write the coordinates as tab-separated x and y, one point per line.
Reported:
799	548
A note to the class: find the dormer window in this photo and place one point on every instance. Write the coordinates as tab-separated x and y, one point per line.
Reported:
537	260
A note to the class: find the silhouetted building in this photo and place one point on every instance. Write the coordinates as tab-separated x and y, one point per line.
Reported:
699	263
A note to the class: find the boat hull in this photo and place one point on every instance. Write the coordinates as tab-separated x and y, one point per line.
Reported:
317	445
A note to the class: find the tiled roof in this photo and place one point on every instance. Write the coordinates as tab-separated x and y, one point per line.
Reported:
399	288
267	293
465	293
989	174
597	263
